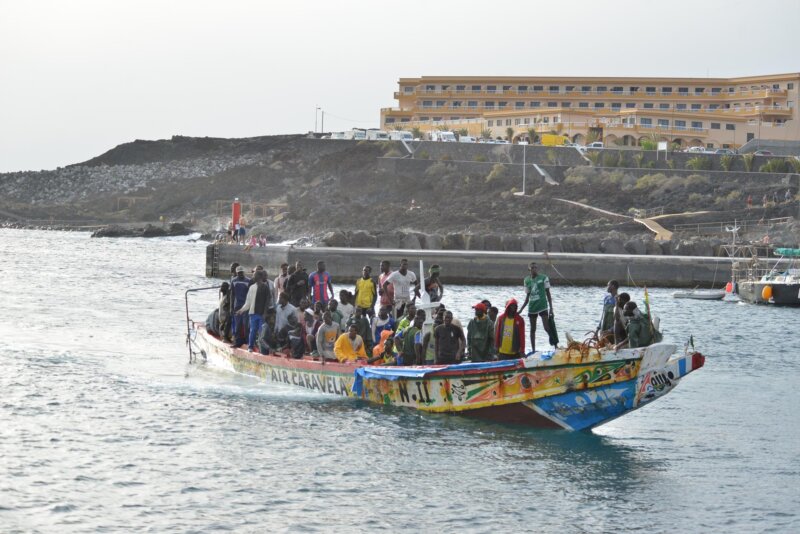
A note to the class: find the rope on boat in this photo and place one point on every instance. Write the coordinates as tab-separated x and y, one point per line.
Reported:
550	261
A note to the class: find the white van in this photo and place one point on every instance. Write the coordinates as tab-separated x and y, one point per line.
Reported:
338	135
467	139
358	134
399	135
377	135
445	137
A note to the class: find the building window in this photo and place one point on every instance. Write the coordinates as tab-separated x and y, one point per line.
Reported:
456	103
516	122
405	119
633	89
775	86
650	90
618	90
430	87
476	88
424	119
427	103
489	105
599	105
680	125
666	90
408	89
630	105
566	104
554	89
648	105
697	125
508	122
680	106
503	104
713	106
730	126
519	105
790	86
455	118
716	90
491	88
715	126
538	88
461	87
490	123
683	91
522	88
601	89
506	88
472	103
616	105
663	106
697	106
663	123
569	88
389	120
586	89
536	104
437	119
647	123
699	90
440	103
583	104
552	104
526	121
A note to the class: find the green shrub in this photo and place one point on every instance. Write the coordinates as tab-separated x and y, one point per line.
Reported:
393	153
734	195
437	170
498	171
423	155
671	163
726	161
648	144
697	182
695	198
638	159
611	178
594	157
621	162
747	160
628	182
774	165
794	163
576	179
552	157
649	181
699	163
650	165
480	158
609	160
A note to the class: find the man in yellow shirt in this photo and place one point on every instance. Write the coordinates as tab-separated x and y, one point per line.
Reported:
366	292
350	346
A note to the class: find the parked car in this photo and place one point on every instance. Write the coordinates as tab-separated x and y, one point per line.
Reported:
762	153
596	144
467	139
724	151
695	149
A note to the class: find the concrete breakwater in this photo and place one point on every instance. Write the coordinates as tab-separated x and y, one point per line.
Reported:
484	267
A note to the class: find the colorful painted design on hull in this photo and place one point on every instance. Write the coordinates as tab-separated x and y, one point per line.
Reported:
561	392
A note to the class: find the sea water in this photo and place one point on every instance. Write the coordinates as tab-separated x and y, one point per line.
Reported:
105	426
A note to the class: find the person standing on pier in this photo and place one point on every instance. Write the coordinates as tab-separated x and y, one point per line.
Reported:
538	299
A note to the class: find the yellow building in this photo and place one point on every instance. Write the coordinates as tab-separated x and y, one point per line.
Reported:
710	112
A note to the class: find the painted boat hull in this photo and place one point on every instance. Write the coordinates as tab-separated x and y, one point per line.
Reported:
572	391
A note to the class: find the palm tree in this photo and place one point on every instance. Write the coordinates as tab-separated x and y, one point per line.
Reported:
510	134
532	136
416	132
486	134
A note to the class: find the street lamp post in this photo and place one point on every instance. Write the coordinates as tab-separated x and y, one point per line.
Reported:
322	127
316	114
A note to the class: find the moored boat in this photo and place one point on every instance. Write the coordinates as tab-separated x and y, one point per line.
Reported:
776	282
700	294
576	389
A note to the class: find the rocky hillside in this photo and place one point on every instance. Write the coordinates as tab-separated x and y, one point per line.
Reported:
362	193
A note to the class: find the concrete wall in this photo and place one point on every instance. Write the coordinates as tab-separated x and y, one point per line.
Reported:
479	267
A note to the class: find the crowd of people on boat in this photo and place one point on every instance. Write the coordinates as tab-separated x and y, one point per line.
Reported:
384	320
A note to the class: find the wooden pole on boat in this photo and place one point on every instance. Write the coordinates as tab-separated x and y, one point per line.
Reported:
647	306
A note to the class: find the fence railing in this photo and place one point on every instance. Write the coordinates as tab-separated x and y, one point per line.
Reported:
723	227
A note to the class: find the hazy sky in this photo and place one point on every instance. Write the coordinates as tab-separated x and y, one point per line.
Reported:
79	77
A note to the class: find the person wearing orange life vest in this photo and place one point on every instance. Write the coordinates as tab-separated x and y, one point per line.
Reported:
509	333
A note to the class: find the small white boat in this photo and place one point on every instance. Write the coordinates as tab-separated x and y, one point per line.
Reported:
700	294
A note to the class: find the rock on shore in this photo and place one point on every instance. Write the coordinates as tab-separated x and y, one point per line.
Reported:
174	229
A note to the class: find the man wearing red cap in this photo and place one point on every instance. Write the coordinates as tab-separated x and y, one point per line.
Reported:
480	335
509	333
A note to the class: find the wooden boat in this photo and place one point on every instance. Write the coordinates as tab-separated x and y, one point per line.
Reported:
700	294
575	389
763	281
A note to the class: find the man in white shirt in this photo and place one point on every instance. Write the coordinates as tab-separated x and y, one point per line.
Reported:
283	311
401	281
